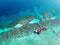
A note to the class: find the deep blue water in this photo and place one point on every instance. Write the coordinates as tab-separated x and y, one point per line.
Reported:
11	10
14	7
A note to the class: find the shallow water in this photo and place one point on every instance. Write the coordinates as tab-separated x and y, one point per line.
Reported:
12	10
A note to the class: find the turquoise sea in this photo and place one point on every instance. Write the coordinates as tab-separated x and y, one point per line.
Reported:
29	13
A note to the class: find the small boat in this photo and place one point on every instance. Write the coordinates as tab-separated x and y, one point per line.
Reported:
40	30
